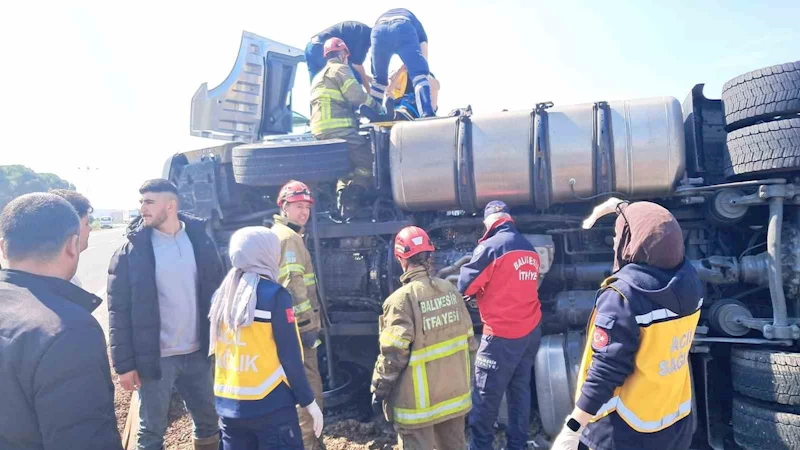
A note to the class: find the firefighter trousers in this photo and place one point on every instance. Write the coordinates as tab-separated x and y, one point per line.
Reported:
360	154
310	442
503	366
447	435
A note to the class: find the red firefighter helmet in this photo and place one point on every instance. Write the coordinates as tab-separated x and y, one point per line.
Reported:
410	241
294	191
334	44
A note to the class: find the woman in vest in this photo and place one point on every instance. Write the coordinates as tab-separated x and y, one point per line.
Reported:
422	376
634	387
259	362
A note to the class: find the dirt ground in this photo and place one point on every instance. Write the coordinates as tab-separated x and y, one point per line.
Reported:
343	431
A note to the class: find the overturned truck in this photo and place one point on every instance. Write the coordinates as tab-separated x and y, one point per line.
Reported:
728	169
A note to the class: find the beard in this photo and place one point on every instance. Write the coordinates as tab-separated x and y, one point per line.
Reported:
156	220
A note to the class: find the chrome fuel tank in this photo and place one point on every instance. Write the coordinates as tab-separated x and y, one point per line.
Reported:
539	158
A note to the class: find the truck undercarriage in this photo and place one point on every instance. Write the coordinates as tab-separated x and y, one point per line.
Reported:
728	175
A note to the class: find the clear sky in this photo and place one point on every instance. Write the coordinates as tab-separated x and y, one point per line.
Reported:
108	84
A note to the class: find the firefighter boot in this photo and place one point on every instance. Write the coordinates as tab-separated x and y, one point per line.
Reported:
209	443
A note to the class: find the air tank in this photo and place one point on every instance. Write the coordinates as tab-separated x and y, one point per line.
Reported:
542	157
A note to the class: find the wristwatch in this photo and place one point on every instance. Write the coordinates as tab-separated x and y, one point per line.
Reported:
573	424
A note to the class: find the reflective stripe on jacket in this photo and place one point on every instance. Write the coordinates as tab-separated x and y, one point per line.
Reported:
426	337
259	368
296	273
335	95
643	350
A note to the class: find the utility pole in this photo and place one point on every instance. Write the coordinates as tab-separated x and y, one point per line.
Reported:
88	170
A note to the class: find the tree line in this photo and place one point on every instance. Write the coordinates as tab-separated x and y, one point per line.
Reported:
18	180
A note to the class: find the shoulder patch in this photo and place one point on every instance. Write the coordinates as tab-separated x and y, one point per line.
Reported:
290	257
600	339
290	315
478	250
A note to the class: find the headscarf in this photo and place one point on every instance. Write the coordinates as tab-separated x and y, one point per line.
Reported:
255	252
647	233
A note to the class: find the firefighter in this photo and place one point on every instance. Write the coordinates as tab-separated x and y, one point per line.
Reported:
335	95
503	274
422	376
297	275
627	398
399	32
259	374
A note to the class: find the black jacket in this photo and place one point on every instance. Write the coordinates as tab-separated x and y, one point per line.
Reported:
133	313
55	389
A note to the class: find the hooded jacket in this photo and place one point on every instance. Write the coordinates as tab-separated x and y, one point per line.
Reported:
640	333
133	314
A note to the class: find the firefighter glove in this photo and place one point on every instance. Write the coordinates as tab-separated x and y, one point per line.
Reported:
310	338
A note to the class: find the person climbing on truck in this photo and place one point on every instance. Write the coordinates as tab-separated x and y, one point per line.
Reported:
399	32
296	274
626	398
259	374
335	95
356	37
422	376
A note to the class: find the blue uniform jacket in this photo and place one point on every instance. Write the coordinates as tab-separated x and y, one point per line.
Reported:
274	298
647	289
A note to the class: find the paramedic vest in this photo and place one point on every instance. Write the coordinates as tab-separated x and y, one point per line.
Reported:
247	364
436	384
659	391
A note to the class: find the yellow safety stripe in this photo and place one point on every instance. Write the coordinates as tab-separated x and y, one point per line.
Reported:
615	404
286	269
393	340
228	391
327	94
330	124
302	307
347	84
440	350
422	415
309	279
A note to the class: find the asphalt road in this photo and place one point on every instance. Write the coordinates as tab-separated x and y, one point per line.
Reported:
93	267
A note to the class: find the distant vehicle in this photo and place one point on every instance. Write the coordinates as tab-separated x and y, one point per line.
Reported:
106	222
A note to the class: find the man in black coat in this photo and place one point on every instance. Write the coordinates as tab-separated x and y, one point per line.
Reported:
160	285
56	390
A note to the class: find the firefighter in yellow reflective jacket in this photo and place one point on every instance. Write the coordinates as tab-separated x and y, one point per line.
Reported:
335	95
422	378
634	387
297	275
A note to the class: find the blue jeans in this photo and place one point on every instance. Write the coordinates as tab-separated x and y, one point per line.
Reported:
503	366
193	377
316	62
399	37
279	430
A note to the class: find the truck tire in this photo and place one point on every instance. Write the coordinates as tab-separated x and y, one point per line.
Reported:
760	425
761	94
766	147
764	374
275	163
